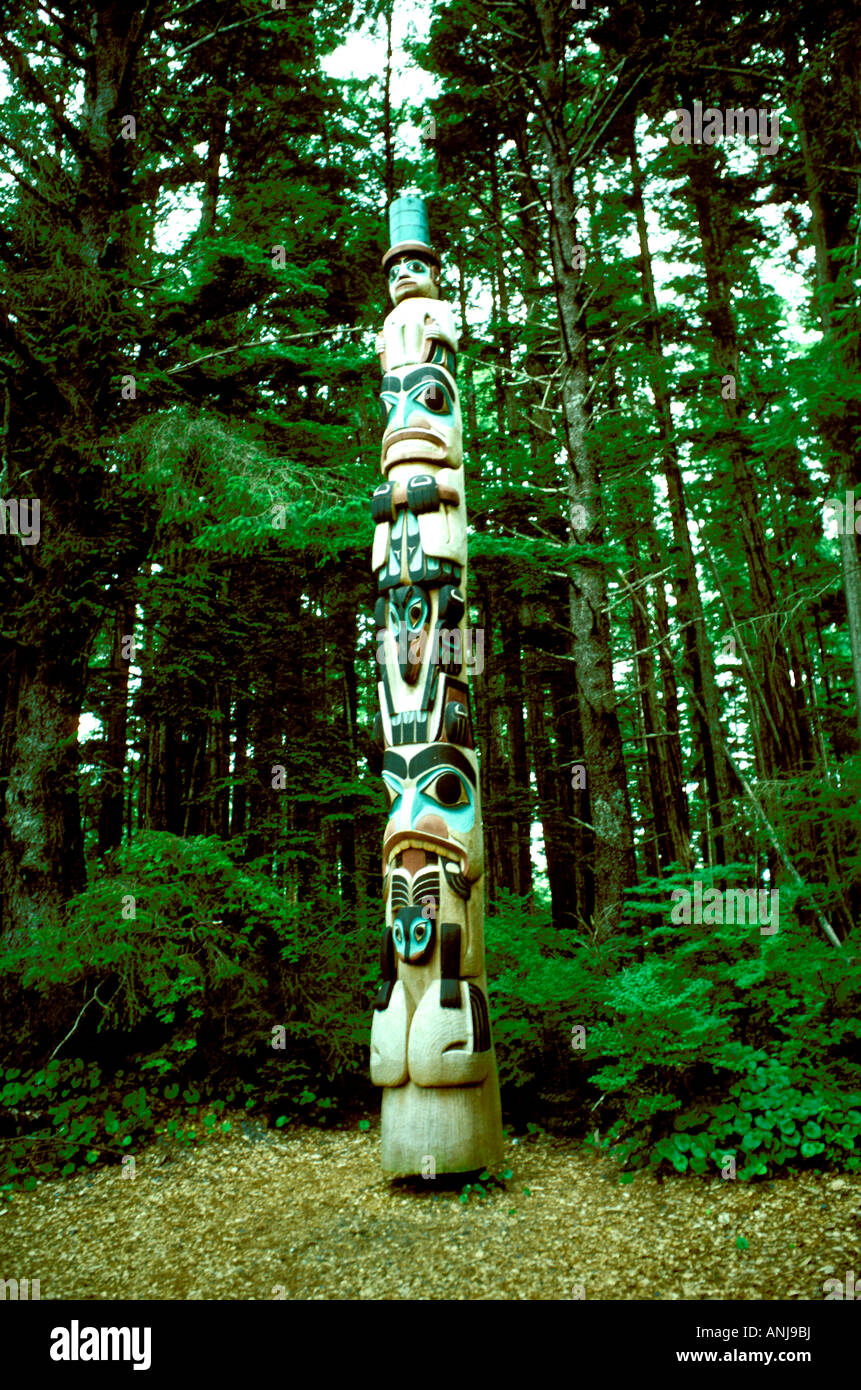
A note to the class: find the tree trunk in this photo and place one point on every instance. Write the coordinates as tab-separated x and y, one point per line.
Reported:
830	222
41	850
41	840
388	132
699	655
614	863
112	799
518	808
553	780
239	780
785	742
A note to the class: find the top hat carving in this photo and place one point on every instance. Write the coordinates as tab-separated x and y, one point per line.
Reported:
409	231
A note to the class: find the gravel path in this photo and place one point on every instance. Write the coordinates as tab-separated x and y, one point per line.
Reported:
307	1214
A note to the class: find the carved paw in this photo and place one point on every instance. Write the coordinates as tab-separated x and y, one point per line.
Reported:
389	1040
450	1047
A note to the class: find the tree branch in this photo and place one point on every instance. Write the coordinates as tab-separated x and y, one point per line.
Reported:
12	336
93	999
28	79
55	207
252	19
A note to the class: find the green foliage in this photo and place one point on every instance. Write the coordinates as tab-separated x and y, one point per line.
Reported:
486	1185
65	1116
771	1120
706	1042
703	1043
70	1115
201	983
178	923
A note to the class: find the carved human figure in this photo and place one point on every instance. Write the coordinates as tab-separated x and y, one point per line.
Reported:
412	276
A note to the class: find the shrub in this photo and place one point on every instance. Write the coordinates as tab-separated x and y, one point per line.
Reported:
704	1041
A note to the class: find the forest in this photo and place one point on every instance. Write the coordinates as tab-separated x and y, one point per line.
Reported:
648	217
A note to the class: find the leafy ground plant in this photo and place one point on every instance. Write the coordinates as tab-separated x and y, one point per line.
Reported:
485	1185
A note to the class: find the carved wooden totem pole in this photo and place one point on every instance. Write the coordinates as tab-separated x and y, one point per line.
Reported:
431	1048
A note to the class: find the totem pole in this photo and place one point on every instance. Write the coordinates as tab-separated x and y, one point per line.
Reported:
431	1048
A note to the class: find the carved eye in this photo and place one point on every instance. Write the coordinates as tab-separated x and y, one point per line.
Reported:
416	613
417	268
434	398
398	934
448	790
394	792
419	932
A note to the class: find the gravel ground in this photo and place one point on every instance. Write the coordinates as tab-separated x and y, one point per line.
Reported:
307	1214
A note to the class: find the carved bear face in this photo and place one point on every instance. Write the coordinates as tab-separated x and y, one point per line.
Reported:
421	412
434	809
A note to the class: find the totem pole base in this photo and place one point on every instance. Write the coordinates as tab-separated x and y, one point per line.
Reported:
441	1129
